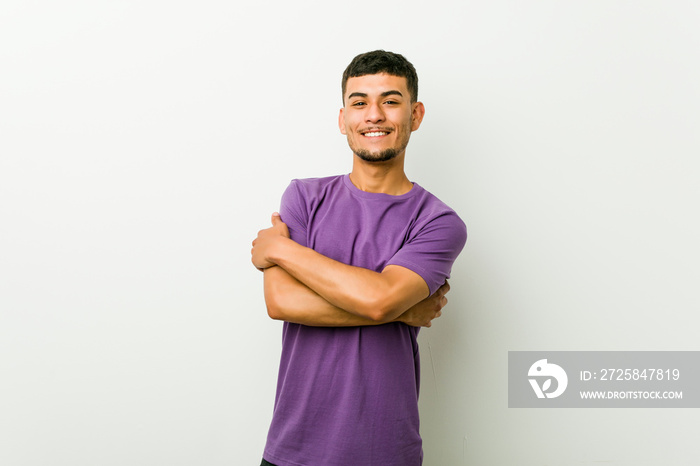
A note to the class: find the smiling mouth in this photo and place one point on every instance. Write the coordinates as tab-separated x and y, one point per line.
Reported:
374	133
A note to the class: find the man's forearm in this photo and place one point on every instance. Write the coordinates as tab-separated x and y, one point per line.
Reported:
290	300
377	296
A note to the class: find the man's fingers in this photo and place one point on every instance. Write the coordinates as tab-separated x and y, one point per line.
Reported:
445	288
442	291
276	219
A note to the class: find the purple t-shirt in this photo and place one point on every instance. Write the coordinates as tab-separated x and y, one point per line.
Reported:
348	396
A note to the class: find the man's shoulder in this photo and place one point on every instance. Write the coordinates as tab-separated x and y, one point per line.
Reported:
434	206
316	187
318	182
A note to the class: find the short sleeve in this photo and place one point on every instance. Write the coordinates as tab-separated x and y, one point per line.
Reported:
433	248
293	212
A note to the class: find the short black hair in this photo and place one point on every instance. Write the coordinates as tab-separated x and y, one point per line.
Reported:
380	61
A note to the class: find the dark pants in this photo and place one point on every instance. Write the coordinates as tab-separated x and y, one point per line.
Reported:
265	463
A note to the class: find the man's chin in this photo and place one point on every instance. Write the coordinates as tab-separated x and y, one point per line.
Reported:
376	157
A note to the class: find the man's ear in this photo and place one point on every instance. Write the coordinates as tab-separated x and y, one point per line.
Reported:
417	115
341	121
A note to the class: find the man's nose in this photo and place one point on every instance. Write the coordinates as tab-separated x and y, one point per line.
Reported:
374	113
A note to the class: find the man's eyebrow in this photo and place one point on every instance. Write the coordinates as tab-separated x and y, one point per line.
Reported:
384	94
392	92
357	94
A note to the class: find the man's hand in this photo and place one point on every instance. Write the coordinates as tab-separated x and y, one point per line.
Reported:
422	313
264	244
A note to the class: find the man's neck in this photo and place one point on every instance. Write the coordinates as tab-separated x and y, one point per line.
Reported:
380	177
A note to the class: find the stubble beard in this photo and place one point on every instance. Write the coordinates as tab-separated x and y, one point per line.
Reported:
382	156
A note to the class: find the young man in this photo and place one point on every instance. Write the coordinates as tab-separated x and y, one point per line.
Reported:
355	265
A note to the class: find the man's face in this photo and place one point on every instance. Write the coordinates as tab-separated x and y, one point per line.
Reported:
378	116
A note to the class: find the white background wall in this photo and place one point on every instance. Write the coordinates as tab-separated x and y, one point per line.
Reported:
144	143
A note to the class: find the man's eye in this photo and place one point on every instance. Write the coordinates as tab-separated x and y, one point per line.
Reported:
391	102
358	104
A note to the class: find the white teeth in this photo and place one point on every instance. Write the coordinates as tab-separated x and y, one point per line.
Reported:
376	134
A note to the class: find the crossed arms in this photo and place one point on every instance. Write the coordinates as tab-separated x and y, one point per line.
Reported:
305	287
